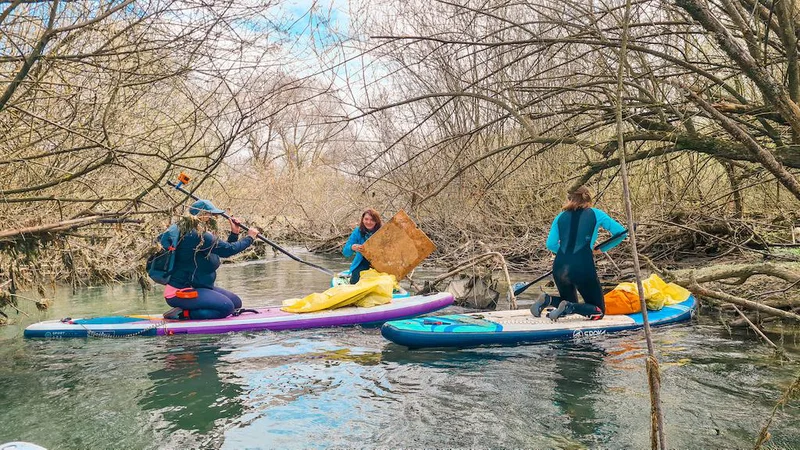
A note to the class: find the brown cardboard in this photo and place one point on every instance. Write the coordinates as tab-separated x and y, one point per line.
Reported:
398	247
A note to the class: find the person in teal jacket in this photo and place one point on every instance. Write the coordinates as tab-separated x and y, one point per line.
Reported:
572	237
369	224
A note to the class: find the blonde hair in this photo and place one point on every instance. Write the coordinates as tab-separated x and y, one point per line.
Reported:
580	198
188	223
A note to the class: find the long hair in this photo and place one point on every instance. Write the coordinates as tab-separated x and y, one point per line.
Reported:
188	223
375	216
580	198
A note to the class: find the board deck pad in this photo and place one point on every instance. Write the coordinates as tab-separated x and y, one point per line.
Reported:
520	326
519	320
398	247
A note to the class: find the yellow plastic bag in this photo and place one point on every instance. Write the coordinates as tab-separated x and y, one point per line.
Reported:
657	294
374	288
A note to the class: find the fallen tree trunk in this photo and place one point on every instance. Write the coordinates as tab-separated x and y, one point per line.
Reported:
740	272
782	303
12	234
696	289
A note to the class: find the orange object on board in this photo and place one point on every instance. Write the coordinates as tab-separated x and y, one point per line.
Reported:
622	301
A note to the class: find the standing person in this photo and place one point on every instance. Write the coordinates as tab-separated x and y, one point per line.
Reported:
369	224
572	237
191	291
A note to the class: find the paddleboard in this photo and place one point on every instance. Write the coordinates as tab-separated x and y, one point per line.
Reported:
263	319
520	327
20	446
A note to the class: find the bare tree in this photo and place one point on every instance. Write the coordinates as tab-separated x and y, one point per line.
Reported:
101	102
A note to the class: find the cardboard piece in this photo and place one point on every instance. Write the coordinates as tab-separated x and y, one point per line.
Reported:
398	247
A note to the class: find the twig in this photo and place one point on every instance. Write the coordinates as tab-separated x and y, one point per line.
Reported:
739	271
613	263
18	310
465	265
478	259
779	291
754	327
771	255
792	390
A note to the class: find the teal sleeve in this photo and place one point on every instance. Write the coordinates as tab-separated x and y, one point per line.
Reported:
355	236
553	238
618	232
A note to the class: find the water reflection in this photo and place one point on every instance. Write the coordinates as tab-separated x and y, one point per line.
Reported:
189	391
472	359
578	385
350	388
304	389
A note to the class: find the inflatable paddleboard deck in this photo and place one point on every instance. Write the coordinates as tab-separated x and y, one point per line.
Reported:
520	327
264	319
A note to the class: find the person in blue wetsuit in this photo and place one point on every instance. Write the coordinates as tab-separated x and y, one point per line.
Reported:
369	224
572	237
191	291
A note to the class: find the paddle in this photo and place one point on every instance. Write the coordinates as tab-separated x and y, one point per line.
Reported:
520	287
184	179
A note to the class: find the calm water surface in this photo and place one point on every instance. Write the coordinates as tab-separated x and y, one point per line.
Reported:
351	388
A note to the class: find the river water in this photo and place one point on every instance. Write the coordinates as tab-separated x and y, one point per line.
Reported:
350	388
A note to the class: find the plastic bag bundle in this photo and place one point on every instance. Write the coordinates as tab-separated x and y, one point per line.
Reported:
624	299
374	288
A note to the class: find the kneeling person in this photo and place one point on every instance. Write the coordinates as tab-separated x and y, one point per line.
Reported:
572	237
191	291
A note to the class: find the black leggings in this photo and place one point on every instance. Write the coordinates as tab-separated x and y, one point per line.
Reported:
575	273
356	274
214	303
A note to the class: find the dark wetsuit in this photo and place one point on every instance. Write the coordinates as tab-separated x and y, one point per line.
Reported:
196	264
571	238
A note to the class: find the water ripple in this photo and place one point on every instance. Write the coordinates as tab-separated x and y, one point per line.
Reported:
349	388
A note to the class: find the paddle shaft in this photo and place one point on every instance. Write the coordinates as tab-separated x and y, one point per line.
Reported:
525	286
260	236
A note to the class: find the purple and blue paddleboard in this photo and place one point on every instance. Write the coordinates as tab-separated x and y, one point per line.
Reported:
264	319
520	327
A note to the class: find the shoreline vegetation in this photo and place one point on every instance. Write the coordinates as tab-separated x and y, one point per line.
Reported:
759	274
